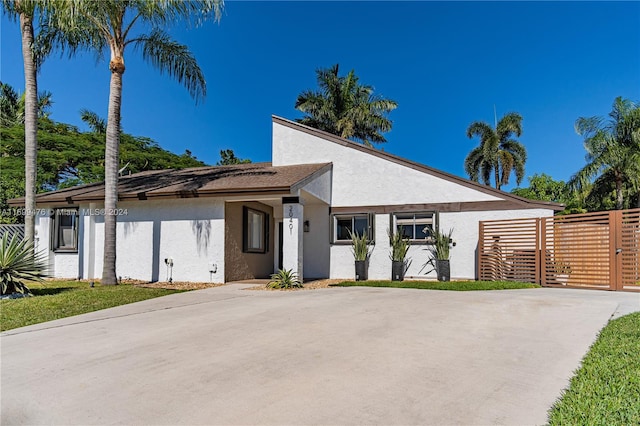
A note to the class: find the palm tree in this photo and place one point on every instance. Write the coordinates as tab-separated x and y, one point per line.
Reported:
25	10
498	152
613	152
12	106
345	108
110	24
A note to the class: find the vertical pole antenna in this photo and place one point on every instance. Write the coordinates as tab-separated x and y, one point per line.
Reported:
495	116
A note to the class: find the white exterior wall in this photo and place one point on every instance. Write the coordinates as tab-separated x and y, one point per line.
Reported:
191	232
316	241
61	264
362	179
292	238
463	255
320	187
465	227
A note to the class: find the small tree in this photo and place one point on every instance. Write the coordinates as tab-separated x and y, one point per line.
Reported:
228	158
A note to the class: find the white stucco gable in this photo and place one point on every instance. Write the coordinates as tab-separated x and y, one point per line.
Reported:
364	177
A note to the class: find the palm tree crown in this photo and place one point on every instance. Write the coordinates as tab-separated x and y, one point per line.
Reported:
498	152
613	153
345	107
111	25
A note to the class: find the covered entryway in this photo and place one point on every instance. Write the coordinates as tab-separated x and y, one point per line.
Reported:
595	250
277	227
248	251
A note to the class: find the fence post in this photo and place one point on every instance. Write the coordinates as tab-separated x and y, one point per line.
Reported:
541	263
613	267
480	248
537	252
615	219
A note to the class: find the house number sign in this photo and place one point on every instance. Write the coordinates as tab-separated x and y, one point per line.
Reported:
291	219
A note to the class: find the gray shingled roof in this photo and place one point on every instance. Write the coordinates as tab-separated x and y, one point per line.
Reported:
193	182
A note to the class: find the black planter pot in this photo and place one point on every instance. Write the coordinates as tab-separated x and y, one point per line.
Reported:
443	269
361	270
397	270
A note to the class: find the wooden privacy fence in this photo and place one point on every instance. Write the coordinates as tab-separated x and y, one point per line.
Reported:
594	250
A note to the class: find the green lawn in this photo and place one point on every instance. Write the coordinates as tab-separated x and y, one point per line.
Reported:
437	285
60	299
606	388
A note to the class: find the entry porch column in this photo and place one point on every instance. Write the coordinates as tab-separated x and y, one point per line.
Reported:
292	234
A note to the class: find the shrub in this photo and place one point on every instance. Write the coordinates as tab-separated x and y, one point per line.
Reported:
18	262
284	279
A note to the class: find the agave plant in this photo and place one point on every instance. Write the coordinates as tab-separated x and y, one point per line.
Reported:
19	262
441	244
284	279
399	246
360	245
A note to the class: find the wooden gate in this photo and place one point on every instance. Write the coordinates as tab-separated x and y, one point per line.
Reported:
595	250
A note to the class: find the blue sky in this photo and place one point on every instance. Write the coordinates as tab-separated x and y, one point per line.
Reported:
445	63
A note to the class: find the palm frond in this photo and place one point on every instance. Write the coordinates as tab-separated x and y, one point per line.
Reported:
481	129
96	123
169	56
510	123
345	107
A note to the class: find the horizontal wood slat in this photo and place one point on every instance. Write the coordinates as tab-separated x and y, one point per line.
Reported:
592	250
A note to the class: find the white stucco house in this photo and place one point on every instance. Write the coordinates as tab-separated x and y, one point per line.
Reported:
228	223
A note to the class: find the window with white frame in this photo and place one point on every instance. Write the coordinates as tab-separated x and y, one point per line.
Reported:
416	227
346	224
65	230
254	228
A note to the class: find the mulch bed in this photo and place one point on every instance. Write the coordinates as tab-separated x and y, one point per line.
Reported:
311	285
177	285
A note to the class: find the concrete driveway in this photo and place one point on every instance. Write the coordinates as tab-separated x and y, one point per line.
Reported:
329	356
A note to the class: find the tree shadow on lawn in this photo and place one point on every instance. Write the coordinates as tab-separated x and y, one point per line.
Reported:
49	291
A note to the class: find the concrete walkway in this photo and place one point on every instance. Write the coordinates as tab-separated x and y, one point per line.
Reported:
328	356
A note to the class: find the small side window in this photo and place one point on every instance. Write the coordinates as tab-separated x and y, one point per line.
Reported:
417	227
255	231
345	225
65	230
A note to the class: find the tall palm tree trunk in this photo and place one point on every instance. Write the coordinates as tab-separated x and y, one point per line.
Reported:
30	125
111	163
497	175
619	195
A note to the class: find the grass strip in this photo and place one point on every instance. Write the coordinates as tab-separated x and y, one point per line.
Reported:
606	388
60	299
437	285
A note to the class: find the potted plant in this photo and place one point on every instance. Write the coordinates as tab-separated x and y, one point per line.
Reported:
399	249
360	246
440	252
